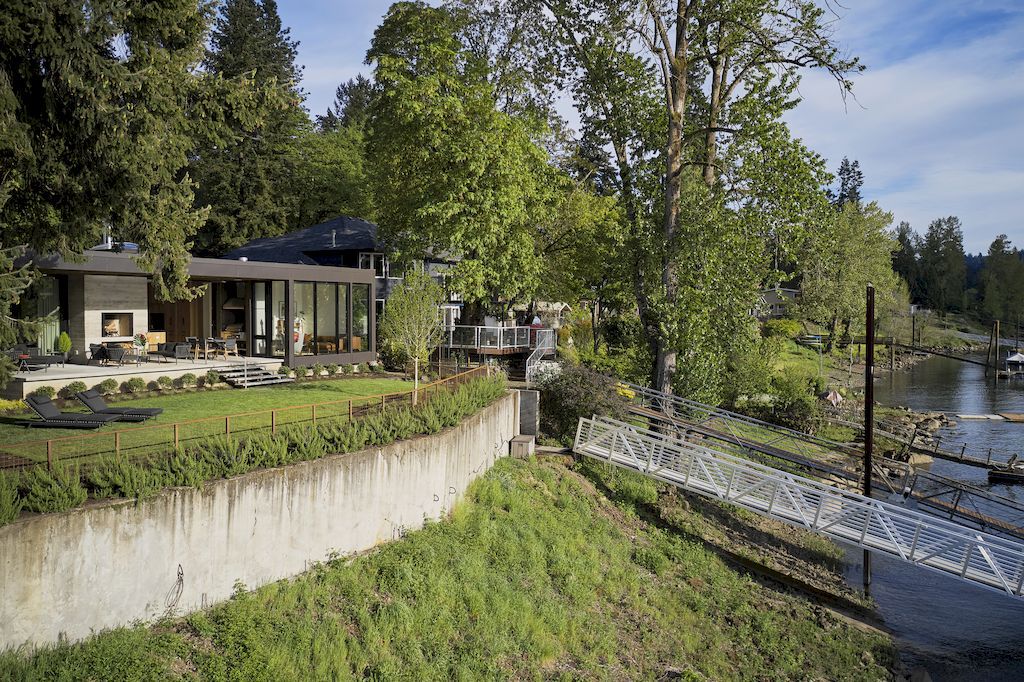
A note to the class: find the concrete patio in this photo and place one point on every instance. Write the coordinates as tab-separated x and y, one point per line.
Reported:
148	370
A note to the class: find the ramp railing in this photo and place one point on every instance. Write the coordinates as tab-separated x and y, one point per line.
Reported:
979	558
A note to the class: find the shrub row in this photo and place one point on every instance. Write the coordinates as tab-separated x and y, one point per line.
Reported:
62	488
133	385
318	370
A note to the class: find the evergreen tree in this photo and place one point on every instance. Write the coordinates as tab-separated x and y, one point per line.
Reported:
1002	280
904	260
351	105
246	175
851	179
942	264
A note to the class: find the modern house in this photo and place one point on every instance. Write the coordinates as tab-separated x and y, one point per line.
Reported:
774	303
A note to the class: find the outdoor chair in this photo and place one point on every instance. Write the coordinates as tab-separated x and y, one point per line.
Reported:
230	348
97	352
51	417
94	401
115	354
175	351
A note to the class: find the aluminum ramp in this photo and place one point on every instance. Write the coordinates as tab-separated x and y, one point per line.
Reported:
979	558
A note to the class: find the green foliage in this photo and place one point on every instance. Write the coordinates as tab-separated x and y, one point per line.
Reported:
782	328
573	393
347	369
317	370
1002	279
120	477
52	491
73	388
165	383
301	372
212	378
284	370
134	385
411	322
10	501
64	343
377	368
107	386
188	380
943	270
332	369
46	391
651	559
330	176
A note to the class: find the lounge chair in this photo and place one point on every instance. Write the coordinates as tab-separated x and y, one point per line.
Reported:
51	417
175	351
95	402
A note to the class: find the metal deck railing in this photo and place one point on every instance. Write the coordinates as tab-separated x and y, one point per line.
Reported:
980	559
545	345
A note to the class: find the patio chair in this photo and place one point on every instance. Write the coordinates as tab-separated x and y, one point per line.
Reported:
97	352
115	354
230	348
51	417
95	402
175	351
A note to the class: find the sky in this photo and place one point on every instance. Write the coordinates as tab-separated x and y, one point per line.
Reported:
936	121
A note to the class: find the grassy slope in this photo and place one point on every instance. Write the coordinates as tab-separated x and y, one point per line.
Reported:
197	404
542	572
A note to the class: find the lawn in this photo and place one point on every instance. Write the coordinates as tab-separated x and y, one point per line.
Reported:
196	405
541	573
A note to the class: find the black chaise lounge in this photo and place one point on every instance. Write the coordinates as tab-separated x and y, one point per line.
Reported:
51	417
95	402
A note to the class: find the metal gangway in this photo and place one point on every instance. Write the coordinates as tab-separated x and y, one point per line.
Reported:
839	463
981	559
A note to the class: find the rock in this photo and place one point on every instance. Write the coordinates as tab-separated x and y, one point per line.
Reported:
867	658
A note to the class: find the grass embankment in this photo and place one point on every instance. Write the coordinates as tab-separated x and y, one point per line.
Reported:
541	573
190	405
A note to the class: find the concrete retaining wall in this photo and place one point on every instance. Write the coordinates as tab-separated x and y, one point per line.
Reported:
63	576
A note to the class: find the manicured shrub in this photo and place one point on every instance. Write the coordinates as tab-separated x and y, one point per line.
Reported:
332	369
284	370
47	391
301	372
165	383
107	386
347	369
52	491
317	370
71	389
573	393
188	380
64	343
134	385
392	357
10	501
377	368
8	406
212	378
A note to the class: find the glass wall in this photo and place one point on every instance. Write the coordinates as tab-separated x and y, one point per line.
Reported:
305	316
326	318
279	319
360	317
343	318
259	318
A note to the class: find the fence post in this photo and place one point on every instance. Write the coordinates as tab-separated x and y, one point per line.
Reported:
313	413
175	435
117	442
273	421
350	409
382	399
49	455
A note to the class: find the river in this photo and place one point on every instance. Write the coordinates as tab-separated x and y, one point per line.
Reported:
956	631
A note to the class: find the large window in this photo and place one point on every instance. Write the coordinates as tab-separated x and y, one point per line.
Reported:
279	319
343	318
259	318
360	317
321	318
374	261
326	319
303	324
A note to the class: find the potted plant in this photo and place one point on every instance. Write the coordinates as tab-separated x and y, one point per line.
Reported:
64	344
140	344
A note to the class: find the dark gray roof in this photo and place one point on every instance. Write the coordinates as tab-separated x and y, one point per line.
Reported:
338	234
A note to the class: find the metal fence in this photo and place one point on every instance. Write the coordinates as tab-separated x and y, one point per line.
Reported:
979	558
162	439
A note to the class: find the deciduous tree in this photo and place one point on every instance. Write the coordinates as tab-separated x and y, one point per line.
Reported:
412	320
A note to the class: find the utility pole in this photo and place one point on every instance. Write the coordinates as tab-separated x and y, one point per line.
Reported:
869	414
995	358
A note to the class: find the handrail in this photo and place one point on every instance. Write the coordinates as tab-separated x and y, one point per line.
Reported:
542	349
979	558
490	336
174	426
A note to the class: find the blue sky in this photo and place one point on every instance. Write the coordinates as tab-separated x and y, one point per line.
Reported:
937	123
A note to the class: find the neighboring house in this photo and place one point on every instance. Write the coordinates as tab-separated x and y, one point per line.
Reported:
350	243
775	303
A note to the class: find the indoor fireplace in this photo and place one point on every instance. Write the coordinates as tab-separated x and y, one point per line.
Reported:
117	324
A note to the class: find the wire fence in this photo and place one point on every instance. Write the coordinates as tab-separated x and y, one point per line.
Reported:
155	440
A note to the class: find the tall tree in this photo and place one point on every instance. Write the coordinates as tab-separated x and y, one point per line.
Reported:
100	103
412	320
351	107
1002	280
851	179
689	97
330	166
942	264
246	174
904	260
451	173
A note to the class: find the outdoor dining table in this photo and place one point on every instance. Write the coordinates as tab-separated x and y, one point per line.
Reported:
209	345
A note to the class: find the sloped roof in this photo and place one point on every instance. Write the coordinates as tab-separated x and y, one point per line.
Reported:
343	233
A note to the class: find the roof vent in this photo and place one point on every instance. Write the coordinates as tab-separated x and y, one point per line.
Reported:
244	259
334	243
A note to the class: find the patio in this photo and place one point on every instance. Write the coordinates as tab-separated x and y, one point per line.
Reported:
148	370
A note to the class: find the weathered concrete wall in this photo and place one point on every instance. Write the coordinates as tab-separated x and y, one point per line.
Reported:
66	575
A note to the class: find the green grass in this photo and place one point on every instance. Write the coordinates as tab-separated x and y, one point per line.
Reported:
536	575
192	405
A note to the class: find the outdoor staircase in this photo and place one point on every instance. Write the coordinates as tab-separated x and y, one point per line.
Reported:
250	376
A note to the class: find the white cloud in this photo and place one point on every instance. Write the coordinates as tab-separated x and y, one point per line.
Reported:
937	132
